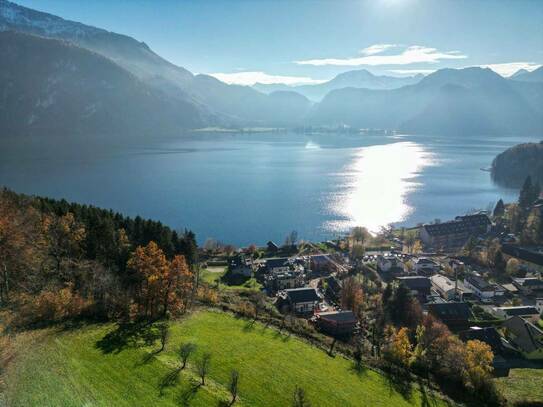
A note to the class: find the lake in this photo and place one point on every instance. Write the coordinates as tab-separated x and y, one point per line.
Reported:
249	188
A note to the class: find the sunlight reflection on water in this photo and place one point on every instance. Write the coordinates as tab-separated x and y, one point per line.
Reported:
375	185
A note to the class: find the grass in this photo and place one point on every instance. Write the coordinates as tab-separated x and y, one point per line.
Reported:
522	386
217	277
104	365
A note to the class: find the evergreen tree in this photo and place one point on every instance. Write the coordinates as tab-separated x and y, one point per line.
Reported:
499	209
528	194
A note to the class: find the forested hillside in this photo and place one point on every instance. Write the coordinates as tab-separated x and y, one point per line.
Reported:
511	167
61	260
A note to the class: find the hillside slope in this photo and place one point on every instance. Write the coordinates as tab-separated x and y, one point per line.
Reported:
511	167
53	87
104	366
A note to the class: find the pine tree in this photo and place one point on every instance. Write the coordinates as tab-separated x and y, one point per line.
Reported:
528	194
499	210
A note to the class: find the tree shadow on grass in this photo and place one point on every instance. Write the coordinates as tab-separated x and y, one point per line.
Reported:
169	380
249	326
188	394
127	335
399	381
359	369
427	398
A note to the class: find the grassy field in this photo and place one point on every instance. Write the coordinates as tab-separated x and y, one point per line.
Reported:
522	386
215	276
103	365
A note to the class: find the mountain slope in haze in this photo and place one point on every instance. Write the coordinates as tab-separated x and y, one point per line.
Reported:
352	79
53	87
451	101
527	76
233	105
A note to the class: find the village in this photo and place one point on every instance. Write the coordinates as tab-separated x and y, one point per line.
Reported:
499	302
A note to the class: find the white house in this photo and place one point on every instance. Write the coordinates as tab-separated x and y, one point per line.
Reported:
482	289
389	262
424	265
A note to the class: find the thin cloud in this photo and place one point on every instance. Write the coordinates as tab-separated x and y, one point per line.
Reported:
414	54
509	68
377	49
249	78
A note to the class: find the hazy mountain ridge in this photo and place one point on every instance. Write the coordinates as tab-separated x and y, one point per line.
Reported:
51	86
450	101
526	76
360	78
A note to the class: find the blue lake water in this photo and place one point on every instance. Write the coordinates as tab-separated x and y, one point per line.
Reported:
245	188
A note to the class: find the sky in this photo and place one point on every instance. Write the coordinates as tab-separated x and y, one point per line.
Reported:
310	41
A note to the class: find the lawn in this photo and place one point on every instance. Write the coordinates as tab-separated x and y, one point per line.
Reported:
522	386
217	277
103	365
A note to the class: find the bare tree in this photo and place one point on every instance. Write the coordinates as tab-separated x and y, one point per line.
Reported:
185	351
203	366
234	378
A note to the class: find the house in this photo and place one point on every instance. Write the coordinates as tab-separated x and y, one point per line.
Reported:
337	323
521	311
525	336
322	264
482	289
279	265
451	289
425	266
529	285
300	300
418	285
240	266
455	233
452	314
333	288
272	247
528	255
390	263
281	281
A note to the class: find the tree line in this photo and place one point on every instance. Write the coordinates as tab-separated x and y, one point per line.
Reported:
60	260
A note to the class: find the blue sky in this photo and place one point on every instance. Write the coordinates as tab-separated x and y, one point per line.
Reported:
311	40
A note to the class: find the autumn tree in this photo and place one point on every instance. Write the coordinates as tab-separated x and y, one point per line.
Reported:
64	237
479	358
352	296
399	348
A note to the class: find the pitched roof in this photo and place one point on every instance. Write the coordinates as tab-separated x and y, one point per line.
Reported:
480	283
339	316
280	262
450	310
527	336
521	310
461	224
305	294
415	282
522	253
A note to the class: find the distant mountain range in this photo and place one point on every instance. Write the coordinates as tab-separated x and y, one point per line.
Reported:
59	76
352	79
527	76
